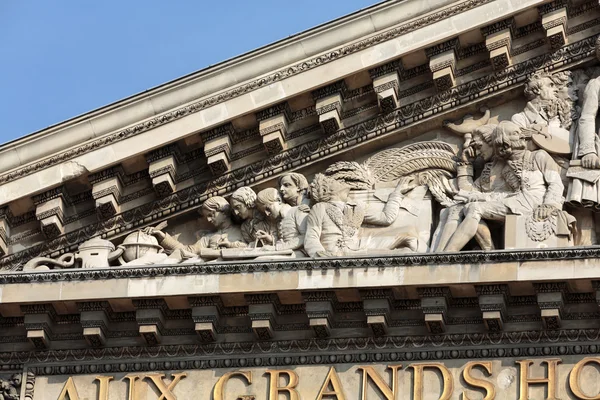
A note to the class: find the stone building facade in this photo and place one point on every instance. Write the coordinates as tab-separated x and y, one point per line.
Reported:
399	204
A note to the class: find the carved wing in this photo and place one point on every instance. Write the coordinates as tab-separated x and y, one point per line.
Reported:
391	164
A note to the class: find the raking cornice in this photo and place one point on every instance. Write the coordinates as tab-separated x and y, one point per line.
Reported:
504	7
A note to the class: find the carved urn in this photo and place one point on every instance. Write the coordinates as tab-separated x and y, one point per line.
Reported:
97	253
137	245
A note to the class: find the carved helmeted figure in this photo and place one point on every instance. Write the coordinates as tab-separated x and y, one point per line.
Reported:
291	222
217	212
534	178
254	225
294	188
333	223
485	187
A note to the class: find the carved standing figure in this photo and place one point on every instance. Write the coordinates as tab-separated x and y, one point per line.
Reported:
534	178
291	222
334	222
254	226
217	212
294	189
584	188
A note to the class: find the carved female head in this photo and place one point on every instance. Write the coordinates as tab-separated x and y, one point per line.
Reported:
269	202
293	187
217	211
243	202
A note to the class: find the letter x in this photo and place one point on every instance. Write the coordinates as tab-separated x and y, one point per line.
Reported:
166	391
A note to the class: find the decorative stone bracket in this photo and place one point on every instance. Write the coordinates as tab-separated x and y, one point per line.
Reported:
554	22
386	84
498	41
50	211
163	169
442	63
107	188
329	103
217	148
435	303
273	126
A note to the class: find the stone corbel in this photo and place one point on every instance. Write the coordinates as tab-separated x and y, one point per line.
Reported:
551	300
329	104
162	168
554	21
262	311
150	316
386	84
492	302
434	303
442	63
50	211
273	126
39	323
94	321
206	312
498	41
4	230
377	306
107	188
217	148
319	309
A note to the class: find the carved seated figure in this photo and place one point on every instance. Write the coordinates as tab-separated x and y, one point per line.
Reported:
533	176
217	212
490	183
291	222
333	222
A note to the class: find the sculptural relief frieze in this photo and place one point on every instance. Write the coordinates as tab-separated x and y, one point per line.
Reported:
527	174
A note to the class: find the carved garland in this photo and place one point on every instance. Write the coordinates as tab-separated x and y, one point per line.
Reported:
313	351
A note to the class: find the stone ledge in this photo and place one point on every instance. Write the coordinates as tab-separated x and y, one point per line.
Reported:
302	275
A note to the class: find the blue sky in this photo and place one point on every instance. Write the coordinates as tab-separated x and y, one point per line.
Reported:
62	58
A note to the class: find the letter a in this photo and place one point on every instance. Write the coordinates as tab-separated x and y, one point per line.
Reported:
333	380
69	391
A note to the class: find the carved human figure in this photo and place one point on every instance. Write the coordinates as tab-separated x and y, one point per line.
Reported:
290	221
217	212
294	189
589	146
9	389
333	223
534	178
549	109
254	225
489	182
